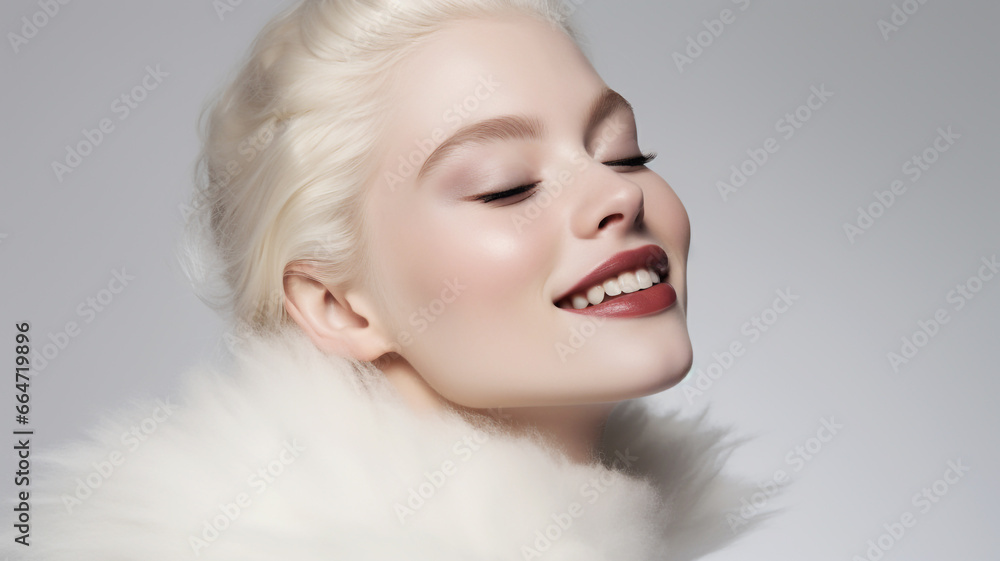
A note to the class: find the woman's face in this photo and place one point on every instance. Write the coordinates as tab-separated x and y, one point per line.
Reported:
510	174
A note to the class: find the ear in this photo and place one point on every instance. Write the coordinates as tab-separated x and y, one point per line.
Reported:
337	321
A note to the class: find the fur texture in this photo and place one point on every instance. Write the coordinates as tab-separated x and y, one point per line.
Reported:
289	454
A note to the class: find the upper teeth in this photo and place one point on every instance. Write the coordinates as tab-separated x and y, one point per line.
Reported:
628	283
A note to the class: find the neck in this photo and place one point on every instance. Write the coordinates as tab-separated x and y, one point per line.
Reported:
576	430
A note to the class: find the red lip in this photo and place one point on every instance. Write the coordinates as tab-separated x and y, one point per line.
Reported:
646	302
651	256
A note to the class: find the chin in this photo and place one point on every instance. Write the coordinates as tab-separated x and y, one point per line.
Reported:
659	371
617	371
611	362
673	371
643	359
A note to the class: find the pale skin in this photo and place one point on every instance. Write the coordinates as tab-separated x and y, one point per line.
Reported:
467	315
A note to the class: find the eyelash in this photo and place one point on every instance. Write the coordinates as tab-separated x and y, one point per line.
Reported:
634	161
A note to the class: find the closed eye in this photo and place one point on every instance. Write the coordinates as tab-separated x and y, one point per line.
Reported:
634	161
529	190
508	193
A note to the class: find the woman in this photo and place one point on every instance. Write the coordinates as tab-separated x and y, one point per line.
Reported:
433	227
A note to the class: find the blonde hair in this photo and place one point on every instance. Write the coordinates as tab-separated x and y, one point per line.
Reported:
290	144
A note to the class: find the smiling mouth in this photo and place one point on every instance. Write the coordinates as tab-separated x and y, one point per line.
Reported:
630	283
612	288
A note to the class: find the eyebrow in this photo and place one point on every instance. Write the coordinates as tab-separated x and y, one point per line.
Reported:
517	127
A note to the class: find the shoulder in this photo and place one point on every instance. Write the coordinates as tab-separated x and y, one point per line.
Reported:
246	447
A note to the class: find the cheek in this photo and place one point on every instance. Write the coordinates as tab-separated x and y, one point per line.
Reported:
464	286
472	259
666	216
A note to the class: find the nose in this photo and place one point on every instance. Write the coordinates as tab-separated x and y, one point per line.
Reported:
607	202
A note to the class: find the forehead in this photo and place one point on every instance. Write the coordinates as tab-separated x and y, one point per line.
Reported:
475	69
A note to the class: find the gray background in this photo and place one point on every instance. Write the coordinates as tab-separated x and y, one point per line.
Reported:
60	242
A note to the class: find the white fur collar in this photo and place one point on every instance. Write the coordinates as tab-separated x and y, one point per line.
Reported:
288	454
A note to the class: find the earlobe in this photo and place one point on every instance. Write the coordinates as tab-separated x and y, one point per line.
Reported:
336	322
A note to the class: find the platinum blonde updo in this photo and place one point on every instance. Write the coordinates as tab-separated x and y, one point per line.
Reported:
291	143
